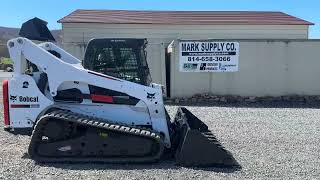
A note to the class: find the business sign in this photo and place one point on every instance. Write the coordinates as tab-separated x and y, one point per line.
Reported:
206	56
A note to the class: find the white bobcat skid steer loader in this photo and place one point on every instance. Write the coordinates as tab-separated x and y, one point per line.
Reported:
50	95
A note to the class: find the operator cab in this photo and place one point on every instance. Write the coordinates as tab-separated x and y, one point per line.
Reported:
121	58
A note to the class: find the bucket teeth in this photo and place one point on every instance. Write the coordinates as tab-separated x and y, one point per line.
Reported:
197	145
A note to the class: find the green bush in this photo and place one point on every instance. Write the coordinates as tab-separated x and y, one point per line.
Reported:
6	61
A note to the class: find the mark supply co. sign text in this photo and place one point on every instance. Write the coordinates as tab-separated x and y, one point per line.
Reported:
206	56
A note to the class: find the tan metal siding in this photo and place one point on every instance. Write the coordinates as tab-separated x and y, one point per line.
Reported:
84	32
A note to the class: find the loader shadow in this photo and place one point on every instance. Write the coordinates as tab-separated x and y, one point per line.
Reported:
267	104
163	165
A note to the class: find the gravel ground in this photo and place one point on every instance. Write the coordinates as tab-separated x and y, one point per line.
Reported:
270	141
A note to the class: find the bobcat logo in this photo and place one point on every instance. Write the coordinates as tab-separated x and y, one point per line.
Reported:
151	95
13	98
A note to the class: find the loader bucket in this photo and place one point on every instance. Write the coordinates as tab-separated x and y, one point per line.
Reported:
197	146
36	29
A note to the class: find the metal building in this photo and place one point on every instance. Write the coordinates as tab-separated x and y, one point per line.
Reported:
162	27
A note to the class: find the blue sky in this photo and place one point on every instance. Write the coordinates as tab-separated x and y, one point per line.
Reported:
14	12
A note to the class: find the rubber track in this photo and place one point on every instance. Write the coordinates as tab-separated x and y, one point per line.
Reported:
98	123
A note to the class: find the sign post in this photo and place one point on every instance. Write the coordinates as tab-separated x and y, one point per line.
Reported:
208	56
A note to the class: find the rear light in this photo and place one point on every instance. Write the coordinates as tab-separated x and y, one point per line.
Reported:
5	102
